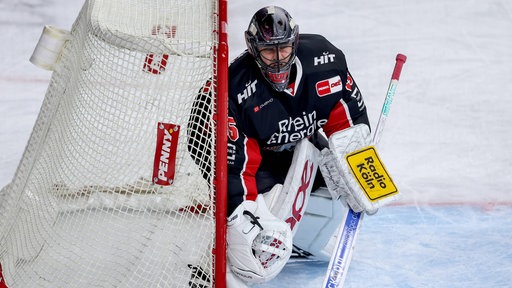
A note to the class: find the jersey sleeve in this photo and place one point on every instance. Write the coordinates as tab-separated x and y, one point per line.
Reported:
349	110
244	159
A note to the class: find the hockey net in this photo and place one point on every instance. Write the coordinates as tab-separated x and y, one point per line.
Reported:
117	184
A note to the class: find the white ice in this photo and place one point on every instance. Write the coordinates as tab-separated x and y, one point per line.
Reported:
446	142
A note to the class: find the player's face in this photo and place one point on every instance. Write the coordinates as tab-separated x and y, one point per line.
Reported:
276	55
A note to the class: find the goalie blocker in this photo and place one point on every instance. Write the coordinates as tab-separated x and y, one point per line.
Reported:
354	172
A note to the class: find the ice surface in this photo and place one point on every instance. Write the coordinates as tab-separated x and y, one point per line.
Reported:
446	142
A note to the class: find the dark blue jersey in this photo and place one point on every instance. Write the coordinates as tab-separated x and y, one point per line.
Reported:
265	124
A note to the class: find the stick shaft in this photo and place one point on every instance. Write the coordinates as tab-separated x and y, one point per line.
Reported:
347	234
400	60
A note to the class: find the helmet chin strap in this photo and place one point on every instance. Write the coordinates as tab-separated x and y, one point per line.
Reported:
278	78
278	81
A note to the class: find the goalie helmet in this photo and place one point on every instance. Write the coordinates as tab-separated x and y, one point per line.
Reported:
273	29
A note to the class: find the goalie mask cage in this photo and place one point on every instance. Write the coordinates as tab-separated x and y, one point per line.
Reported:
122	182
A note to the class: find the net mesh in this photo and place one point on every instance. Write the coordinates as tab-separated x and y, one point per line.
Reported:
83	209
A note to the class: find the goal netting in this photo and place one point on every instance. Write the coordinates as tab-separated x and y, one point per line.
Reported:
117	186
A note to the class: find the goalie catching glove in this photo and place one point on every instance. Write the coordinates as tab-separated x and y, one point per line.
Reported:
259	244
353	171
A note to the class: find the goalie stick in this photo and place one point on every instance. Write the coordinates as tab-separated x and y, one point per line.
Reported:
346	238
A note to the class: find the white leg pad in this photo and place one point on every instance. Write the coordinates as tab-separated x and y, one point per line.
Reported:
288	202
319	225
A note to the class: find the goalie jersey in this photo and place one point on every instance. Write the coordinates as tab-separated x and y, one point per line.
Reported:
265	125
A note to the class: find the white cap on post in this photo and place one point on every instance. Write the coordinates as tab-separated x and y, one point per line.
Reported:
48	49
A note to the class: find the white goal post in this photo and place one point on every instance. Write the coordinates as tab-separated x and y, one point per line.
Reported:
123	180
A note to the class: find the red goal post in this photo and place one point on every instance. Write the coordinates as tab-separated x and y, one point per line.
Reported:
123	181
222	129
